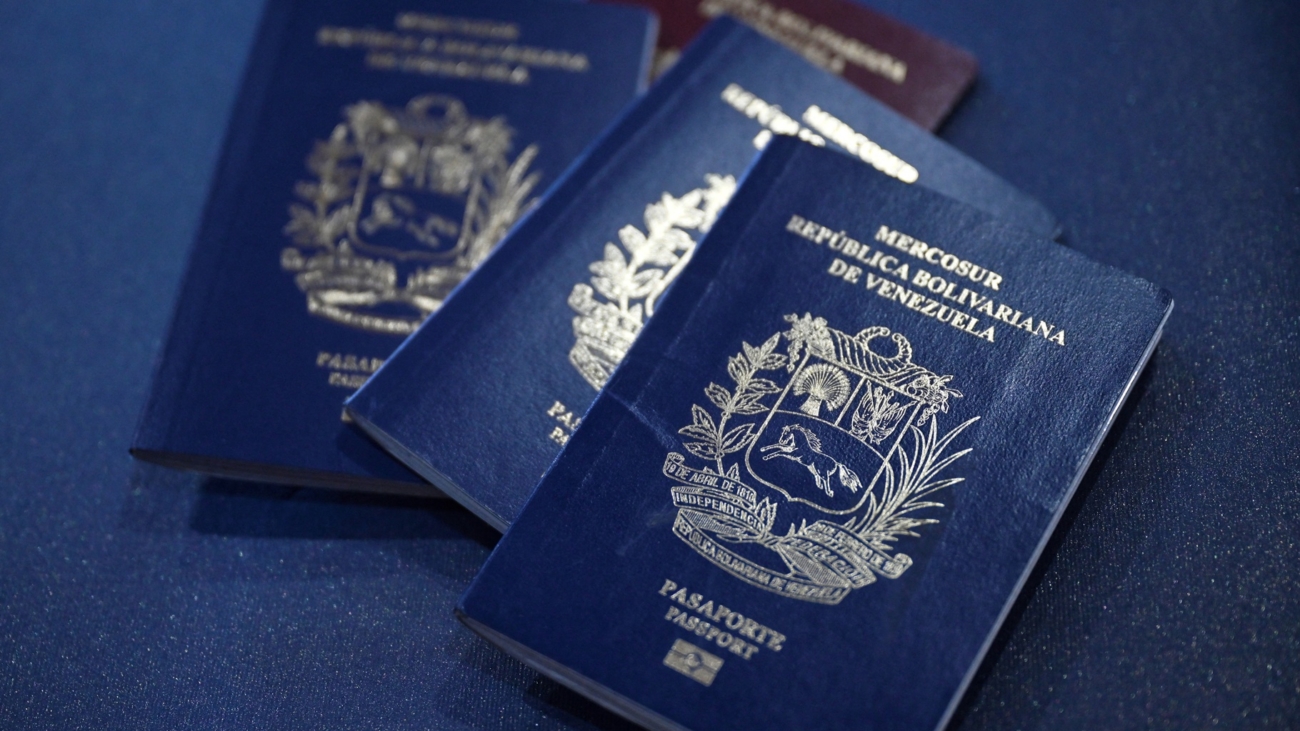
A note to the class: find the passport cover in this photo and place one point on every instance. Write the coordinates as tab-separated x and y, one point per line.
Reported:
919	76
378	151
810	494
481	399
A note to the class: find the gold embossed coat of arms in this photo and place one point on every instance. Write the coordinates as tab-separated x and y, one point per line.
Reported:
402	205
807	473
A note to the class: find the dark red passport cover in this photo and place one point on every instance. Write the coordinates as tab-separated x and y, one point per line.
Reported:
919	76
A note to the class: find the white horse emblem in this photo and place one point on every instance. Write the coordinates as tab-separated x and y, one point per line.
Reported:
802	445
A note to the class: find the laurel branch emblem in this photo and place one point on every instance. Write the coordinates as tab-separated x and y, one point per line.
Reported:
425	193
847	455
627	282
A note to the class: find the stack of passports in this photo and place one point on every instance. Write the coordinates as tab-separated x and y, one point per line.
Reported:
819	409
481	399
377	153
811	492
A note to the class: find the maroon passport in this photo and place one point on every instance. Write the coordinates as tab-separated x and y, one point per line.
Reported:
918	75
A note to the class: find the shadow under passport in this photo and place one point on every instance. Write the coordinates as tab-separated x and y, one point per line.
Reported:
236	508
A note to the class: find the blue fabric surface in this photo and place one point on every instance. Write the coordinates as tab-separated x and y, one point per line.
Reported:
1162	134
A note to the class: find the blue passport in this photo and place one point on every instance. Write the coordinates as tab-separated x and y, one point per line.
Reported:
481	399
378	152
810	494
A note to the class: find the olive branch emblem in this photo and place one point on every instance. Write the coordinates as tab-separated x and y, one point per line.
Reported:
713	441
908	487
627	282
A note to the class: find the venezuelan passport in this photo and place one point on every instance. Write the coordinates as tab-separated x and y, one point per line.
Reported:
919	76
483	396
378	152
810	494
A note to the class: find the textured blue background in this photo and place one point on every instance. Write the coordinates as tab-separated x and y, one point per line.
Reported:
1163	134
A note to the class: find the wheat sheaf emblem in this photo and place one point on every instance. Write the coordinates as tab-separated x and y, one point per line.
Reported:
627	282
402	205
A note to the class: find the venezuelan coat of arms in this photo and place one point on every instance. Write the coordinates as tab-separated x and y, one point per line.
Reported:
805	475
404	203
627	282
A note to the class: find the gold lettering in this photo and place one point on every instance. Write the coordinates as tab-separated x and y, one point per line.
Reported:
558	436
346	380
850	273
902	296
567	420
720	616
419	49
935	255
858	144
347	362
927	286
